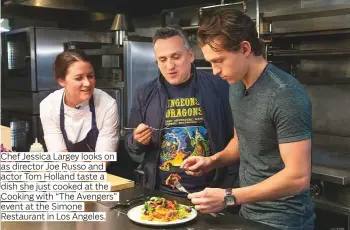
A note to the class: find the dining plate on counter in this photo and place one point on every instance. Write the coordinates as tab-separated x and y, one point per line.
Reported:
135	214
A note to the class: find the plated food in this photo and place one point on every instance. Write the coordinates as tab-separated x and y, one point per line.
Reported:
163	210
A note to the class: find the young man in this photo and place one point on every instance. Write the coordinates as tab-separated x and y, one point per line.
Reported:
185	112
273	129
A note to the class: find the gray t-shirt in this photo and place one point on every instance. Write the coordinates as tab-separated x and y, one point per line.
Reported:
276	109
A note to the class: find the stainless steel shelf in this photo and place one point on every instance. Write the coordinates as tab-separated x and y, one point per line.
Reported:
335	32
306	13
337	176
323	80
326	52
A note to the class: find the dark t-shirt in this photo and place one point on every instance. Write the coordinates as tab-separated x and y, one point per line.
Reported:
186	136
275	110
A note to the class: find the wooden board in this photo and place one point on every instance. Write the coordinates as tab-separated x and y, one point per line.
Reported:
119	183
6	137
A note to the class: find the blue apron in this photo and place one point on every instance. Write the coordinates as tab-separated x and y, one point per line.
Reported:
88	144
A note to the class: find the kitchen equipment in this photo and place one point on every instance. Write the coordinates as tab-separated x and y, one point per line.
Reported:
30	53
121	25
24	129
330	188
139	65
312	44
107	60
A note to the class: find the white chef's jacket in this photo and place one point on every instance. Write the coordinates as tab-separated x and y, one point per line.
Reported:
78	121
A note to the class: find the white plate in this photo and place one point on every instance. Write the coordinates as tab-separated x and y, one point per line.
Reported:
135	214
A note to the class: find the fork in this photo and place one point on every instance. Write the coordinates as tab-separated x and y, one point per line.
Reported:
182	189
152	128
155	129
129	202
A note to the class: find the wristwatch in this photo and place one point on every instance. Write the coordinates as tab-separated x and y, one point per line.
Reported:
229	198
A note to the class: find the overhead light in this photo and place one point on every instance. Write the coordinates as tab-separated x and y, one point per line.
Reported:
121	24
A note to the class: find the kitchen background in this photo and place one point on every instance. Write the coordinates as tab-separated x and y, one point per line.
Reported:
308	38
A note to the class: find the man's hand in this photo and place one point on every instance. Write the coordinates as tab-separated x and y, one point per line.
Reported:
210	200
197	165
143	134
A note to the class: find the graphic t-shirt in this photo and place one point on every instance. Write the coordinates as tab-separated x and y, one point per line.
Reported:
185	136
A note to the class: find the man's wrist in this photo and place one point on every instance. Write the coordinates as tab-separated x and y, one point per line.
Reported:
230	199
215	159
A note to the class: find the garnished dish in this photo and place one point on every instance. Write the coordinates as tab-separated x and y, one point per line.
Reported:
163	210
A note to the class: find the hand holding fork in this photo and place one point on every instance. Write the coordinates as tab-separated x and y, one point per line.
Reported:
182	189
210	200
143	134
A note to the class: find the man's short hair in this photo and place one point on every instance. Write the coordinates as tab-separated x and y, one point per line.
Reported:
171	31
229	27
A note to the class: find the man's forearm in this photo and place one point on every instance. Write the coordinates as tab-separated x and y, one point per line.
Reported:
280	185
228	156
